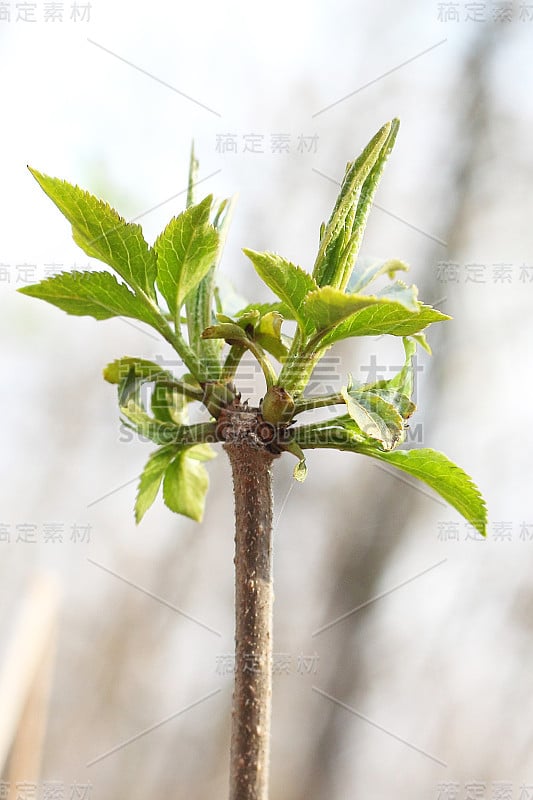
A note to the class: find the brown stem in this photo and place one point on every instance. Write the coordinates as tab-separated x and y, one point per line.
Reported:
251	464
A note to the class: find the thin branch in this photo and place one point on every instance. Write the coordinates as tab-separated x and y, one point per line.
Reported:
252	481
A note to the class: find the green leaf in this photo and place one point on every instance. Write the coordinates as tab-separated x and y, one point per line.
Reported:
159	431
384	318
93	294
336	432
152	475
327	306
128	389
399	292
268	334
366	270
200	301
328	267
201	452
364	205
332	258
230	331
430	466
374	416
398	390
400	402
118	370
150	480
244	321
169	405
169	402
289	282
104	234
185	487
185	250
445	477
267	319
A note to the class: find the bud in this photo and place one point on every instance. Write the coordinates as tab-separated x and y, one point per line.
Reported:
277	406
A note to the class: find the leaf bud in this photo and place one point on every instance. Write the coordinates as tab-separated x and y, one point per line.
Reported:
277	406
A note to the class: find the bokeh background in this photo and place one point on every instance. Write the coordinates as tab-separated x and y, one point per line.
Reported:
424	688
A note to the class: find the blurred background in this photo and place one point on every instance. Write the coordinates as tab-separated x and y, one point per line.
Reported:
402	643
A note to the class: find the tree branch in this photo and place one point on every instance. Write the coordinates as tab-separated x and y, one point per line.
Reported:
250	739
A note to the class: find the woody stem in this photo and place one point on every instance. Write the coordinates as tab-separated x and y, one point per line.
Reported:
250	738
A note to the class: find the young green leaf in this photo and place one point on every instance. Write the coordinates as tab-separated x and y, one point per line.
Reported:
151	478
367	270
201	452
104	234
200	301
145	370
267	333
230	331
246	321
335	432
170	395
185	252
445	477
327	306
289	282
430	466
159	432
185	486
93	294
168	405
399	292
399	401
398	390
375	417
364	205
328	269
381	318
267	326
162	432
